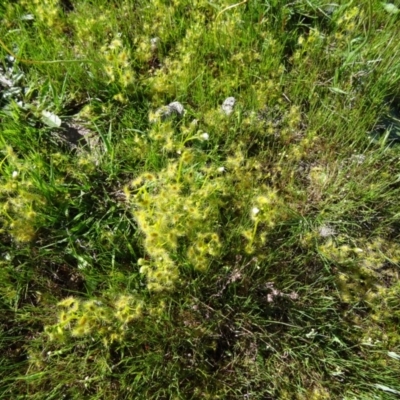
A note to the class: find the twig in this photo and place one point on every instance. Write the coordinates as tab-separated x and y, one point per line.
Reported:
229	7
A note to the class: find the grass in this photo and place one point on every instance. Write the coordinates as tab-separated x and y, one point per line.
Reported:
245	255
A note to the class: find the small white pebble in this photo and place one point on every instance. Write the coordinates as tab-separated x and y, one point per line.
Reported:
221	169
228	104
14	174
294	296
326	231
154	42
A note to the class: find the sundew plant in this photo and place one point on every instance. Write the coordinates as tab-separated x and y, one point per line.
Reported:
199	199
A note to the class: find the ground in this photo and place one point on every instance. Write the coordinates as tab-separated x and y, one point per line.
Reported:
199	199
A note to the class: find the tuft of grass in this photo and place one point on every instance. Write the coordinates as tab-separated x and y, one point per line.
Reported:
204	254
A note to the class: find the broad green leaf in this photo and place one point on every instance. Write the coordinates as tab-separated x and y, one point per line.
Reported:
394	355
390	8
337	90
386	388
51	119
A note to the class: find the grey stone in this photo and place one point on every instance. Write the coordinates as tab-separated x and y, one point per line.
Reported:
228	104
174	108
